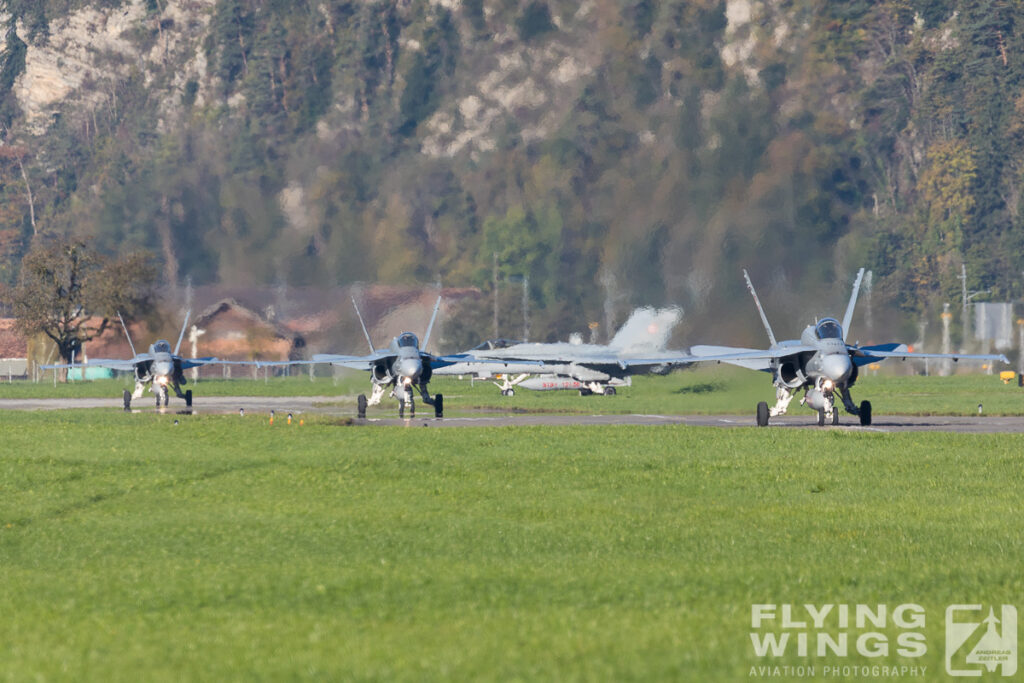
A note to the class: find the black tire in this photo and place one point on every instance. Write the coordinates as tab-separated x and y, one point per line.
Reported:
609	391
127	400
835	416
865	413
762	414
361	405
821	418
188	398
401	409
412	409
585	392
439	405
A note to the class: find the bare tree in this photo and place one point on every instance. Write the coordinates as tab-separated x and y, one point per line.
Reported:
70	293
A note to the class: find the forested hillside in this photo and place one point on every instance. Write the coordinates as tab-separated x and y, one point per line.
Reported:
615	152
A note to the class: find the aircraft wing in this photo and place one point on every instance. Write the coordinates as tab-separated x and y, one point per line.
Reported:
465	364
259	363
354	362
655	362
187	363
900	351
110	363
753	359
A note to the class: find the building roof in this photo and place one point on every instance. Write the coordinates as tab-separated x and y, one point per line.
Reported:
12	343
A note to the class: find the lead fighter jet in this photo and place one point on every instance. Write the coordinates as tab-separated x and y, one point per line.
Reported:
821	363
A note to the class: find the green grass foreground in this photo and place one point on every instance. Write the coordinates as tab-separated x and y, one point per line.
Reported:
226	549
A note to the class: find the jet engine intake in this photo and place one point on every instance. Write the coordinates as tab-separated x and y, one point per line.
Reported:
381	374
791	375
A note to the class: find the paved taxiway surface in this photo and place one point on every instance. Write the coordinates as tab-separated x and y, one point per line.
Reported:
255	406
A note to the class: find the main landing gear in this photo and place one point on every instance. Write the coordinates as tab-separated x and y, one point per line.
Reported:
406	399
764	413
865	413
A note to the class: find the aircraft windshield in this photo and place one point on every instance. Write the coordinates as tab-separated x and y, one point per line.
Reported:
829	329
408	339
162	346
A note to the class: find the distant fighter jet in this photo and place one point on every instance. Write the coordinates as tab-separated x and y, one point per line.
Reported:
637	348
160	369
403	366
820	362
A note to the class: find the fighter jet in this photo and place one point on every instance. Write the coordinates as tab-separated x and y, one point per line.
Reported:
401	367
160	369
821	363
637	348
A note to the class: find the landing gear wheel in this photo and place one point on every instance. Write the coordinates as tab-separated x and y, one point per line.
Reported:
585	392
865	413
835	417
188	398
127	400
762	414
401	409
506	392
361	405
821	418
609	391
439	405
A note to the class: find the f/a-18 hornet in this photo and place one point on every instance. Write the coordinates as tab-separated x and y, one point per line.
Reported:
637	348
401	367
160	369
821	363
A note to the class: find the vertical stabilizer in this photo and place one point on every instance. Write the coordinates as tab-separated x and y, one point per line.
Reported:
848	316
181	336
127	336
430	327
363	325
757	302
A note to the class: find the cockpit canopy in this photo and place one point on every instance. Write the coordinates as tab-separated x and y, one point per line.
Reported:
829	328
408	339
162	347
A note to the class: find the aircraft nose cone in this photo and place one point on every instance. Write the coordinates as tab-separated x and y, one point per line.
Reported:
836	367
410	367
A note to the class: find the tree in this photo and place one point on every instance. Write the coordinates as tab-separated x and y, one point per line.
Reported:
69	292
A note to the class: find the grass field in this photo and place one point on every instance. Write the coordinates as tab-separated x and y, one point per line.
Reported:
718	389
225	549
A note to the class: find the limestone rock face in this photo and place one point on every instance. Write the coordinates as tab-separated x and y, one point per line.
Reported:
88	50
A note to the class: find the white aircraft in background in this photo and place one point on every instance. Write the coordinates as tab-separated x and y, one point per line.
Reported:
637	348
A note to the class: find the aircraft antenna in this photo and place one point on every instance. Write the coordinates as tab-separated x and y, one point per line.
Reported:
430	327
757	302
182	335
128	336
848	316
363	325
